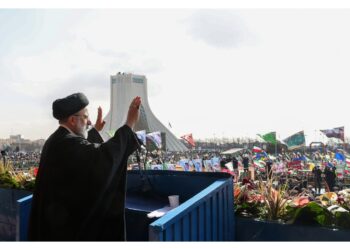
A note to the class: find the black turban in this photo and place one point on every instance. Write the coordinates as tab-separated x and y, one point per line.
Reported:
62	108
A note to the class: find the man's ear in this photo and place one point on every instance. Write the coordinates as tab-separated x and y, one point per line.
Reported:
71	120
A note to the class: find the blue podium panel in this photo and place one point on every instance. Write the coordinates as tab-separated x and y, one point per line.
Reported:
205	212
176	225
23	207
9	212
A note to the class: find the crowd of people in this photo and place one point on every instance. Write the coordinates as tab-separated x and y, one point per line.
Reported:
323	170
20	160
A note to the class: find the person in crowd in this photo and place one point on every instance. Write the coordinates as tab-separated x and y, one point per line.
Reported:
330	177
235	167
317	172
3	156
245	162
80	186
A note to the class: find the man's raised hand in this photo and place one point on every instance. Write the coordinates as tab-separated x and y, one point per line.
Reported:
99	122
134	112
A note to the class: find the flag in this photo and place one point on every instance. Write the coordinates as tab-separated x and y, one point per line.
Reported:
269	137
170	125
142	136
257	150
155	138
295	141
229	165
189	139
347	162
334	132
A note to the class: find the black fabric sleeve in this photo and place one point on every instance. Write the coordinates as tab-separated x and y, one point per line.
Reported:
94	136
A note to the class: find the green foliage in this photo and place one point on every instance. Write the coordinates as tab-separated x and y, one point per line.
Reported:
290	213
275	201
314	214
28	185
248	209
342	219
15	182
6	181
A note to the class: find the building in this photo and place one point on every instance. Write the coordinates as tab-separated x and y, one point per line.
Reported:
17	143
124	87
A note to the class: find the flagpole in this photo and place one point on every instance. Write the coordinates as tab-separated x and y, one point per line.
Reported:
275	144
276	148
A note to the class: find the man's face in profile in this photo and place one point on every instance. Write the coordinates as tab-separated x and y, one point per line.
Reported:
82	123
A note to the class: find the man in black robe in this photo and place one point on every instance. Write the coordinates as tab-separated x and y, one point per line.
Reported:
330	177
80	187
318	179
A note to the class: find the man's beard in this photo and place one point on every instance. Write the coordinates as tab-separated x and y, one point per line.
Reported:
83	132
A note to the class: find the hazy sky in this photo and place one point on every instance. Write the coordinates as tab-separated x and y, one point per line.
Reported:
211	72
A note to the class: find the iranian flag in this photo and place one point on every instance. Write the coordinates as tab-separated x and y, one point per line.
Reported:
257	150
348	162
189	139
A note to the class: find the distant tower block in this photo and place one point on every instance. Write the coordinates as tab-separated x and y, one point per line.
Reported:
124	87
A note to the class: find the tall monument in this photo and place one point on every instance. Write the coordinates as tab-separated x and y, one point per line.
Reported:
124	87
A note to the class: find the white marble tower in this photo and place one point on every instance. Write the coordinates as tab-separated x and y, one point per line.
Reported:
124	87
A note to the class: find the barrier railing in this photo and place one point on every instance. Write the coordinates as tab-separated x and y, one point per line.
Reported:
23	208
207	216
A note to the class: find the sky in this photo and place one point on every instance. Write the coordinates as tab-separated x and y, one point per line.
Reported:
211	72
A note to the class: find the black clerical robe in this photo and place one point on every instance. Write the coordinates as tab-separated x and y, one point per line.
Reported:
80	187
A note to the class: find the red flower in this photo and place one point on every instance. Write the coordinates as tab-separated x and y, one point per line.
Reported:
237	192
301	201
255	198
248	183
36	169
340	199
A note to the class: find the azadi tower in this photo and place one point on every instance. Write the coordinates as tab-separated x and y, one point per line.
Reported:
124	87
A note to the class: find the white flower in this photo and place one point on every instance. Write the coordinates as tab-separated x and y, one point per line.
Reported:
336	208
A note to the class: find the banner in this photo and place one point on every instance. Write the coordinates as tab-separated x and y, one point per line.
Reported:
215	161
170	167
157	167
334	132
295	165
280	167
184	163
189	139
197	165
269	137
295	141
142	136
208	165
155	138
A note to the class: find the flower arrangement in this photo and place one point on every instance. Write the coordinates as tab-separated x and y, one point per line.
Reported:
274	201
9	178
